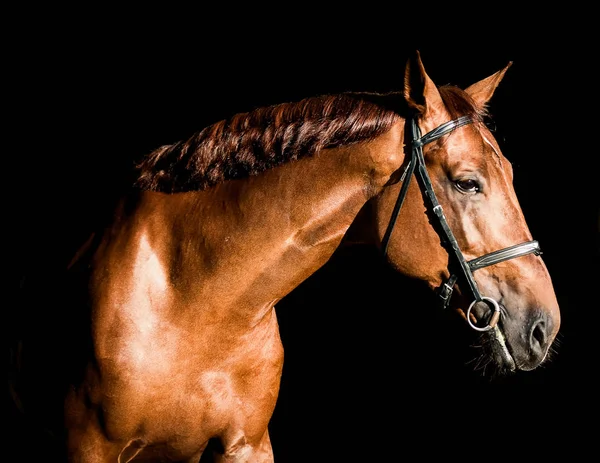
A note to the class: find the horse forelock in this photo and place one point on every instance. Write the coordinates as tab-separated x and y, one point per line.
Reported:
249	143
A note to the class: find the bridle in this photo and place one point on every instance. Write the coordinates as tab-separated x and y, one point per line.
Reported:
465	268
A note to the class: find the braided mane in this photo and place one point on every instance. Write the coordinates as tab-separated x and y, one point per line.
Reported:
250	143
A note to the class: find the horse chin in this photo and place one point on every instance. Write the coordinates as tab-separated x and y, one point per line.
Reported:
495	355
499	350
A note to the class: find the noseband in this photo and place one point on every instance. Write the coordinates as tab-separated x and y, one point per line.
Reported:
465	268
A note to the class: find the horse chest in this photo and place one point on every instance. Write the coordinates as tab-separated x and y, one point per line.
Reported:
166	378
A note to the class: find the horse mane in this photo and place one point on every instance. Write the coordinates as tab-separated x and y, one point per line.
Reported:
249	143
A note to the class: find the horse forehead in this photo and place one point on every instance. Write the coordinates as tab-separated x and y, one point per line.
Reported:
472	145
490	140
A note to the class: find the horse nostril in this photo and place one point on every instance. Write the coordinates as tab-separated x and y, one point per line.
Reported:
538	337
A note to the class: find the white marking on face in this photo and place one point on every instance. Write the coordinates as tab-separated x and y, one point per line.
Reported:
492	146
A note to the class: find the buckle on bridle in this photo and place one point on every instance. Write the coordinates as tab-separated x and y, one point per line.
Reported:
445	291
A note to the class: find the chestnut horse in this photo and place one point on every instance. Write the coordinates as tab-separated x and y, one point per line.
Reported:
173	340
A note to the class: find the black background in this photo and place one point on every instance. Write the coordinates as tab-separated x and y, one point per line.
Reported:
372	370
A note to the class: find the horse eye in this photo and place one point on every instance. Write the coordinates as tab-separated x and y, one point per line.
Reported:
468	185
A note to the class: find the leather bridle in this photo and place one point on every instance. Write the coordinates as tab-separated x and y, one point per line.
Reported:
465	268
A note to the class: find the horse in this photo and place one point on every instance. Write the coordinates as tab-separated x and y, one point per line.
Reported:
165	337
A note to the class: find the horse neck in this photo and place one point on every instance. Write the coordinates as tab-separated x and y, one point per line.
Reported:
259	238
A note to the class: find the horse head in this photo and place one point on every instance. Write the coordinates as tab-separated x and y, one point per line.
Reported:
460	225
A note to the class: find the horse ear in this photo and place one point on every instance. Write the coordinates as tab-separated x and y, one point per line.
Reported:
483	90
420	92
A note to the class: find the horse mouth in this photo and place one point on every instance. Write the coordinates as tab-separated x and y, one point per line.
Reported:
500	349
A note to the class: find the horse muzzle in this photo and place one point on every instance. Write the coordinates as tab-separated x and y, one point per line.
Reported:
521	342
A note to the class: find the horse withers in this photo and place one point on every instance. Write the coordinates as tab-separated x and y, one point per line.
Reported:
166	338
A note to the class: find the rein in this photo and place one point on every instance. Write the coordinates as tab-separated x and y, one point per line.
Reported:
466	268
